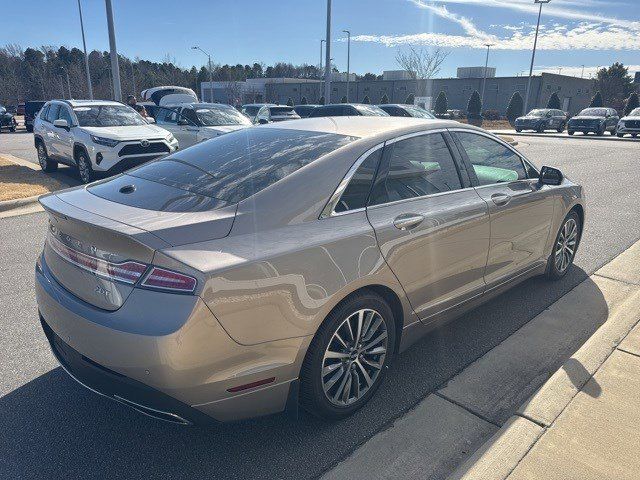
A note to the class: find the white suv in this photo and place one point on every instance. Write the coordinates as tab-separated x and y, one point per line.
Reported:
97	136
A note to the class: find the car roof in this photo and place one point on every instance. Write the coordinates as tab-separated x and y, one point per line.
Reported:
198	105
88	103
258	105
364	126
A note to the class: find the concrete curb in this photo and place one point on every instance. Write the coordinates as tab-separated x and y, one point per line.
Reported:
18	202
564	137
500	455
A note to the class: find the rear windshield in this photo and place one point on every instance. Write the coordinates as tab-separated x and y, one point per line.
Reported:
234	166
371	110
282	111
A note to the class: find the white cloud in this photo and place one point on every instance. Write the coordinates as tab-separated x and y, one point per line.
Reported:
589	71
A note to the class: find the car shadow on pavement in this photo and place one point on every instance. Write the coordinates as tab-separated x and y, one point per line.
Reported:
52	427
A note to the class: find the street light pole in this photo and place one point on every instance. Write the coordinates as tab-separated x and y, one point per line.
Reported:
533	55
582	74
86	57
210	72
486	63
115	67
321	72
327	66
348	59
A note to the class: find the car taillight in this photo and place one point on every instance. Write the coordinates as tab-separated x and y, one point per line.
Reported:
126	272
161	279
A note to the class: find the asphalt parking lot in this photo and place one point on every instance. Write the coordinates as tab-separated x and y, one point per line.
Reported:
51	427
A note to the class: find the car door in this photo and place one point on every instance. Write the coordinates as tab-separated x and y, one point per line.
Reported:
64	140
521	209
167	118
51	133
612	120
432	231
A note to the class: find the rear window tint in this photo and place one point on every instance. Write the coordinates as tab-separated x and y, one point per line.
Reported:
237	165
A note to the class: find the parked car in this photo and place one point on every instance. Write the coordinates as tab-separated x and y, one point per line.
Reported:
7	120
192	123
304	110
347	110
13	109
275	113
541	119
250	110
31	109
168	94
629	124
596	120
20	109
399	110
288	264
97	136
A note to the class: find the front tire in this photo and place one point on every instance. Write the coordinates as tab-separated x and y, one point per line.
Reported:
85	171
560	128
46	164
570	132
540	128
347	360
564	247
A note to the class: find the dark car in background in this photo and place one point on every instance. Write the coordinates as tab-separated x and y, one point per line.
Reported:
348	110
7	120
20	109
304	110
400	110
31	109
275	113
541	119
597	120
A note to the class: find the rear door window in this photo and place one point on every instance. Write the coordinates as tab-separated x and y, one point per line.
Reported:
356	194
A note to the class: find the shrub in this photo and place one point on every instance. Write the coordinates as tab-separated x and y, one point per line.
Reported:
411	99
343	99
366	99
596	101
384	99
631	103
554	102
474	106
441	104
321	100
516	105
303	101
290	102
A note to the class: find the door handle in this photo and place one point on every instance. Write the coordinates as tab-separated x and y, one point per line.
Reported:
407	221
500	199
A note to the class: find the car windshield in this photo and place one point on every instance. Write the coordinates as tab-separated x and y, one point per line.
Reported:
251	110
537	113
108	116
593	112
418	112
635	112
234	166
289	111
216	116
371	110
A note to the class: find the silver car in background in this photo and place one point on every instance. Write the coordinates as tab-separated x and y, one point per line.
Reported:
288	264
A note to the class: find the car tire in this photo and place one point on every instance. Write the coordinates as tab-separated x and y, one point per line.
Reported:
634	135
600	131
29	128
565	246
561	128
333	387
540	128
518	130
620	135
85	171
46	164
570	132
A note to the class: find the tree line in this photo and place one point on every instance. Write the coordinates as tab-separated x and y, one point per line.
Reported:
41	73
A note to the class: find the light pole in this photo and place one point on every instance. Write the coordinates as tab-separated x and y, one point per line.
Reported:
86	57
210	72
348	59
533	55
486	63
582	74
327	66
115	67
321	74
133	79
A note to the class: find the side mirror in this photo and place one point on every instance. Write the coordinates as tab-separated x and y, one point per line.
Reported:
550	176
61	123
262	121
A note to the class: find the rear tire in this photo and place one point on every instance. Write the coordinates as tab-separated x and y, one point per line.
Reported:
620	135
570	132
540	128
565	246
85	171
29	128
600	131
341	372
46	164
560	128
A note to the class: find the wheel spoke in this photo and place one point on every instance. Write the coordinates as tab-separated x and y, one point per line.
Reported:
330	368
376	340
339	338
356	383
373	329
340	389
365	374
331	354
332	381
359	329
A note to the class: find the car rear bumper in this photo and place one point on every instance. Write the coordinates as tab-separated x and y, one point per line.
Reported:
628	130
181	374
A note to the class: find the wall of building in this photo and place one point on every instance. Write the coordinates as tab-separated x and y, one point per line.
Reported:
498	91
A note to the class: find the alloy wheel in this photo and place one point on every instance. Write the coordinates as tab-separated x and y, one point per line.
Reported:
42	157
354	357
566	245
83	170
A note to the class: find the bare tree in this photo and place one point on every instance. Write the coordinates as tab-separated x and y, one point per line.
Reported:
421	63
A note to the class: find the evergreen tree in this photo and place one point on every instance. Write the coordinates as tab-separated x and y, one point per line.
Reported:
290	102
411	99
554	102
366	99
441	104
384	99
632	103
321	101
474	107
516	105
596	101
303	101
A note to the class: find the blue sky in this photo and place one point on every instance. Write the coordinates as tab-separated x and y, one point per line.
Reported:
574	32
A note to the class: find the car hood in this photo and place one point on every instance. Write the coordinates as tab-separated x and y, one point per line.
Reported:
129	132
587	117
210	132
529	118
637	119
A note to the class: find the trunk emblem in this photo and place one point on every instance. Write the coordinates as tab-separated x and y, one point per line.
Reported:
144	143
